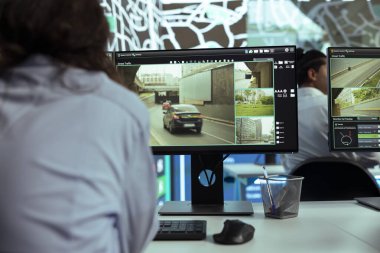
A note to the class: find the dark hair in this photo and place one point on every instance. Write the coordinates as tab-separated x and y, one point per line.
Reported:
72	32
311	59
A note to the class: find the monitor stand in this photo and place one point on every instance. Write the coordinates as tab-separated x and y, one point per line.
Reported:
207	196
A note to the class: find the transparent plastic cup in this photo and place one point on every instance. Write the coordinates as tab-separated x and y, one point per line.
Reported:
281	195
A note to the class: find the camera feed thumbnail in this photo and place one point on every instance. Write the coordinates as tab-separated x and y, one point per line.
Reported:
254	102
255	130
355	72
193	104
355	87
253	75
355	102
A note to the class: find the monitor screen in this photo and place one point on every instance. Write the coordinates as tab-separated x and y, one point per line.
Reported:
232	100
354	98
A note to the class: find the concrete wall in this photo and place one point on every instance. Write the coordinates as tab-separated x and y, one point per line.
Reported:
263	71
367	108
221	105
195	88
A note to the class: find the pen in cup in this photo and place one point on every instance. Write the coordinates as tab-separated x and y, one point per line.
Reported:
273	207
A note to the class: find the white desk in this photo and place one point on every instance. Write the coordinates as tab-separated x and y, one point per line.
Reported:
337	227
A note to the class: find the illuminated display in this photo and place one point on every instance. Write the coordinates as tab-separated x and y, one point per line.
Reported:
176	24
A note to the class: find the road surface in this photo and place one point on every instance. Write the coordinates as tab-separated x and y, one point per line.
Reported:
213	133
356	76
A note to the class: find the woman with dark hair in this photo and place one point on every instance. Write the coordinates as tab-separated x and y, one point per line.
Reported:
76	170
313	114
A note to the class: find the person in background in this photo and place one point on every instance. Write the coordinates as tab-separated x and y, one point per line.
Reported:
313	124
76	170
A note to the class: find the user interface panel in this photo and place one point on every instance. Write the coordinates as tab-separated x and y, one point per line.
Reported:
230	99
354	98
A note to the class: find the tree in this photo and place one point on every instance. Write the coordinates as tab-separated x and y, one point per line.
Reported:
247	94
365	94
239	98
254	95
266	100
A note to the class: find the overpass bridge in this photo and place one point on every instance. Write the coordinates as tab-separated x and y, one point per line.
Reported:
154	88
161	88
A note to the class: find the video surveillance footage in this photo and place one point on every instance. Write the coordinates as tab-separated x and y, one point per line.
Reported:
354	75
231	99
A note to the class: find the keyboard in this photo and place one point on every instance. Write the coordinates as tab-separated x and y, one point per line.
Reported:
181	230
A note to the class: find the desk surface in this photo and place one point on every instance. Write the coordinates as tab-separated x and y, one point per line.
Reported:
341	226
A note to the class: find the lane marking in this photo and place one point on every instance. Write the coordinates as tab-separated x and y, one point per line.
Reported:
217	138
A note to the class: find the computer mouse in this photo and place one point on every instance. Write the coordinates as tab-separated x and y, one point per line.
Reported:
235	232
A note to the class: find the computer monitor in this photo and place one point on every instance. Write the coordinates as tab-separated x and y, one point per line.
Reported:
354	98
212	102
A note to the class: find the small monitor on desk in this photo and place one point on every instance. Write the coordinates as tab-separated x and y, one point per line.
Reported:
211	102
354	98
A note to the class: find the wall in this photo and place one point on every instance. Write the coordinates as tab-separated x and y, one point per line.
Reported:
175	24
160	24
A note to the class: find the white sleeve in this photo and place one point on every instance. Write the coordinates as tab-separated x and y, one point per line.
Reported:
140	193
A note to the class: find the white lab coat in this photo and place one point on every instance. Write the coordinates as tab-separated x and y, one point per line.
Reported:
76	169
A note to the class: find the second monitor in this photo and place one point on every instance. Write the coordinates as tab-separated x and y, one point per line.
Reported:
354	98
210	102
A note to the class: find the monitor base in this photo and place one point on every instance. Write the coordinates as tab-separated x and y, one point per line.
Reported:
186	208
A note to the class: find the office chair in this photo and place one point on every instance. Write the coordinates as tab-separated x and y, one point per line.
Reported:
332	178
